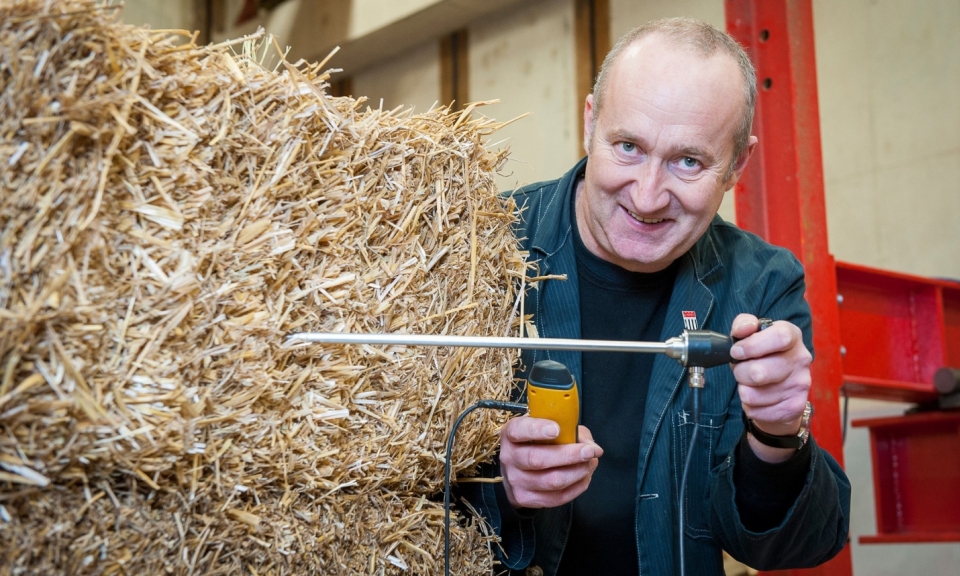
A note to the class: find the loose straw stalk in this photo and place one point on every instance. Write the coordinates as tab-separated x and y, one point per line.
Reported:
170	212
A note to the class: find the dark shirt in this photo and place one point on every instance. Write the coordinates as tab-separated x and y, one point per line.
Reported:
615	304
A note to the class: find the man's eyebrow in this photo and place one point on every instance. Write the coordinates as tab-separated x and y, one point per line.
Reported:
696	152
621	134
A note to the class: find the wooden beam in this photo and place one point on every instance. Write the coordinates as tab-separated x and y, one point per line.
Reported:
454	69
592	42
201	20
218	17
341	87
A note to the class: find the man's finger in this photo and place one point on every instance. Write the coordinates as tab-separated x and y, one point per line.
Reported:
779	337
552	498
756	398
526	429
763	371
584	434
744	325
546	457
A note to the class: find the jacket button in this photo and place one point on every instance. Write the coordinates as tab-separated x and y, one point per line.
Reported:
534	571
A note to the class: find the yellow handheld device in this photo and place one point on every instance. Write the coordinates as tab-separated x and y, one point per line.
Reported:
552	394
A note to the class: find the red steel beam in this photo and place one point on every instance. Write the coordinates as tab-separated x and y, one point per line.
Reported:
780	196
897	330
915	478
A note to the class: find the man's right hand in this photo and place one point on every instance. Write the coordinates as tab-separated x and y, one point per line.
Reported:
544	475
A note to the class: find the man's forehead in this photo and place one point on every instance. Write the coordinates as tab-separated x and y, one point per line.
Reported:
676	83
654	47
679	72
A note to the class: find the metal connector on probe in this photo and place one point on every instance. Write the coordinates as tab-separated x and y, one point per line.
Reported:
701	348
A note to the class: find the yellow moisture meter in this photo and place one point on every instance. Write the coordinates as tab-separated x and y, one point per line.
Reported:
552	394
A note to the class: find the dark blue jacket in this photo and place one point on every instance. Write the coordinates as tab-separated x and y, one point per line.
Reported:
728	271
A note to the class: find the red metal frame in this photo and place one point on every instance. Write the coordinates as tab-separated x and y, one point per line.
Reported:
896	330
915	479
780	196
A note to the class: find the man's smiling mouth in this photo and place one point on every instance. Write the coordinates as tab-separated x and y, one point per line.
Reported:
638	218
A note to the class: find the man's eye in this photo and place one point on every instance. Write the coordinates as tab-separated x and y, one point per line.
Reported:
689	162
628	146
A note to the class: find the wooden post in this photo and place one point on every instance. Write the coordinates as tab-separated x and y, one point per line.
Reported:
592	42
455	70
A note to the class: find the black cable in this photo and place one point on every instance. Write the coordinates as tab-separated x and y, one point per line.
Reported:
490	405
695	412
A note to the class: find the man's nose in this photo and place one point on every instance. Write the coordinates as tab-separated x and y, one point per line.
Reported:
649	193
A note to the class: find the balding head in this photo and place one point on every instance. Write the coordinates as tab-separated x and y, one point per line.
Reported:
701	38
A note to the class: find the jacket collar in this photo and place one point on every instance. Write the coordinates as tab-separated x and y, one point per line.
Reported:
554	218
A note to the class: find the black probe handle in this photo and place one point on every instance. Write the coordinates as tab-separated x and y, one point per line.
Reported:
706	348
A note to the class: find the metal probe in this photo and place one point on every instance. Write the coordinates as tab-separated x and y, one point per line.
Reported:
702	348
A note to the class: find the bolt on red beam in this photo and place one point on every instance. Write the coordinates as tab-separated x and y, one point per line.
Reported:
781	198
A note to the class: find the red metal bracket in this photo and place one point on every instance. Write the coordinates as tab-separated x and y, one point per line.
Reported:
915	477
897	330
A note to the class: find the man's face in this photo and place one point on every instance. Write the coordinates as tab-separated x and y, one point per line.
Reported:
659	153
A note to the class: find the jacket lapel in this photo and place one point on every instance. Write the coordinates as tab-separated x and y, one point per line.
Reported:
560	295
689	295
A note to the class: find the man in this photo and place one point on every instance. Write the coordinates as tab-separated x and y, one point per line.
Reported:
634	229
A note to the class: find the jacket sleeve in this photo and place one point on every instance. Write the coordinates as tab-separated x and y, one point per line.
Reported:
813	531
816	526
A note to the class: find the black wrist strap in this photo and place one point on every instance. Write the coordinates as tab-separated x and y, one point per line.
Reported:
795	441
790	441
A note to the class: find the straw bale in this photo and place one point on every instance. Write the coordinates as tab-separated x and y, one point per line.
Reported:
169	213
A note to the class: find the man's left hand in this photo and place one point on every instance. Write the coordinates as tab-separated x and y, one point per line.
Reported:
773	377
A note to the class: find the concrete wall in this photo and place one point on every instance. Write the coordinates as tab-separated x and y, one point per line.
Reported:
889	75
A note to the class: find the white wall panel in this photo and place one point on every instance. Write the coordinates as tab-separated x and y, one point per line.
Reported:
410	79
889	75
525	58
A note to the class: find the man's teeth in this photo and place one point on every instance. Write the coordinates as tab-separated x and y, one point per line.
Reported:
646	220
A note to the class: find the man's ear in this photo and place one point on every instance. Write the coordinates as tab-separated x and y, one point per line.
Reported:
741	163
588	122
